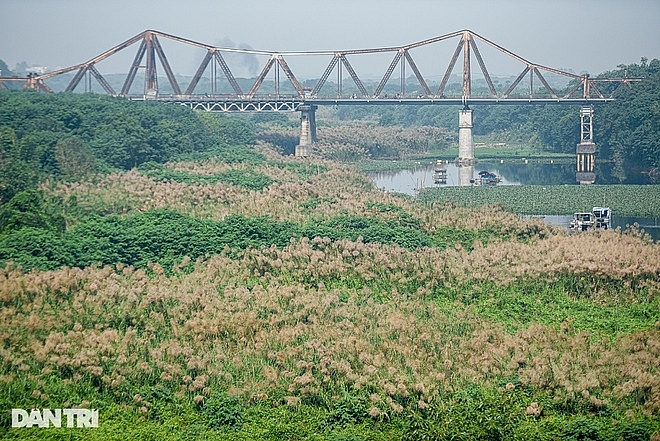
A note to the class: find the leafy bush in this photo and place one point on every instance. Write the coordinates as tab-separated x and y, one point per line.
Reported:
372	230
582	428
348	410
30	208
161	236
471	414
166	236
231	154
634	431
334	436
35	248
222	411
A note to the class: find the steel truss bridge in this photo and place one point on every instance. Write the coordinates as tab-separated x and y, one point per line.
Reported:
288	93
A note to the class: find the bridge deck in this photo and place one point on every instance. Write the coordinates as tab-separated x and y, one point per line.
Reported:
226	104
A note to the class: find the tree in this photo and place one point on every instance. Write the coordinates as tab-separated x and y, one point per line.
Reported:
8	140
31	209
229	130
16	175
75	159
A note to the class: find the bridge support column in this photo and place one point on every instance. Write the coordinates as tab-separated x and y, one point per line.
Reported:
465	141
586	149
465	175
307	130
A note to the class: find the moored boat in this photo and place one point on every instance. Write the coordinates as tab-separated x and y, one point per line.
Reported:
599	217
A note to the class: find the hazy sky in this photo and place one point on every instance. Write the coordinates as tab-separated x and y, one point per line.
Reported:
577	35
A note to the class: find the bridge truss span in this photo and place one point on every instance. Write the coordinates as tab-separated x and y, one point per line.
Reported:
216	86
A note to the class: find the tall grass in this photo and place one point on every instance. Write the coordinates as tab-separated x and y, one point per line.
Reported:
517	330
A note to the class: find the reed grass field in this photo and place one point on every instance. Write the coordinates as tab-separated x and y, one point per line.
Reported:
290	299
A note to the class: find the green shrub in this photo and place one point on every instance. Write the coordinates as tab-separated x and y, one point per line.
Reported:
634	431
348	410
222	411
334	436
244	178
402	231
31	208
471	414
159	236
582	428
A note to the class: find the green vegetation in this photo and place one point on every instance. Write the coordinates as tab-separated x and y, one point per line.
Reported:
72	136
211	288
322	339
34	236
625	200
243	177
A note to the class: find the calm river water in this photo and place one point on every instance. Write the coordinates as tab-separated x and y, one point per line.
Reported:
517	173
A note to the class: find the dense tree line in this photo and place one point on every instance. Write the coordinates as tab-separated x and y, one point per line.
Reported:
70	136
629	128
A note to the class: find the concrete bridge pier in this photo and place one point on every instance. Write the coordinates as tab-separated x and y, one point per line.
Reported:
307	130
465	141
465	175
586	149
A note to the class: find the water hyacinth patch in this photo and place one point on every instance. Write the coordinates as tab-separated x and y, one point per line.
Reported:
630	200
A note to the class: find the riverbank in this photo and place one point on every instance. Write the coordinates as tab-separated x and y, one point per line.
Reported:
626	200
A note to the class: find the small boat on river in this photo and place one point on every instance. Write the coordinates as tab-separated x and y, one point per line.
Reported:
486	178
599	218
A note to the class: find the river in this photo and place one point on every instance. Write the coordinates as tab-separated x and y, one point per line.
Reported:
517	172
